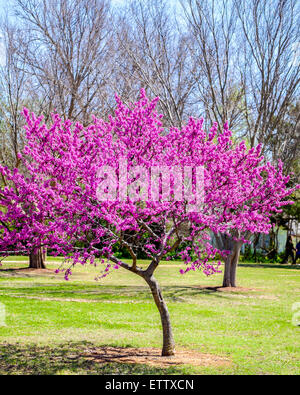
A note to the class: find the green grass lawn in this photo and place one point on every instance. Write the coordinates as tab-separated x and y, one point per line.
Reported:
50	322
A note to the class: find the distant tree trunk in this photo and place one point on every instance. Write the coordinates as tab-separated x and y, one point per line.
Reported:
168	340
37	259
225	242
231	262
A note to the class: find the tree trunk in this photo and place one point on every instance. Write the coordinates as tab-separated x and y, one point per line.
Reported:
234	263
231	263
168	340
37	259
227	267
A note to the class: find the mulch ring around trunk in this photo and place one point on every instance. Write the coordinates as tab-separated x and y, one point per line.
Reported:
152	357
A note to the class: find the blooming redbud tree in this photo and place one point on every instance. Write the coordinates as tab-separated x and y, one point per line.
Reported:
129	182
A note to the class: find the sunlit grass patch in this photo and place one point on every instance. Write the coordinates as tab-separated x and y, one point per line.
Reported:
251	326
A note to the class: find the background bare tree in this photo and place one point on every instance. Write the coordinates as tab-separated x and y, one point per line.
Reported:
247	71
13	87
67	46
270	73
213	26
152	54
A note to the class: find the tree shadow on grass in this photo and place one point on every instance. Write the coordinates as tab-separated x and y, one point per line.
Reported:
117	294
66	358
179	294
270	266
26	271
